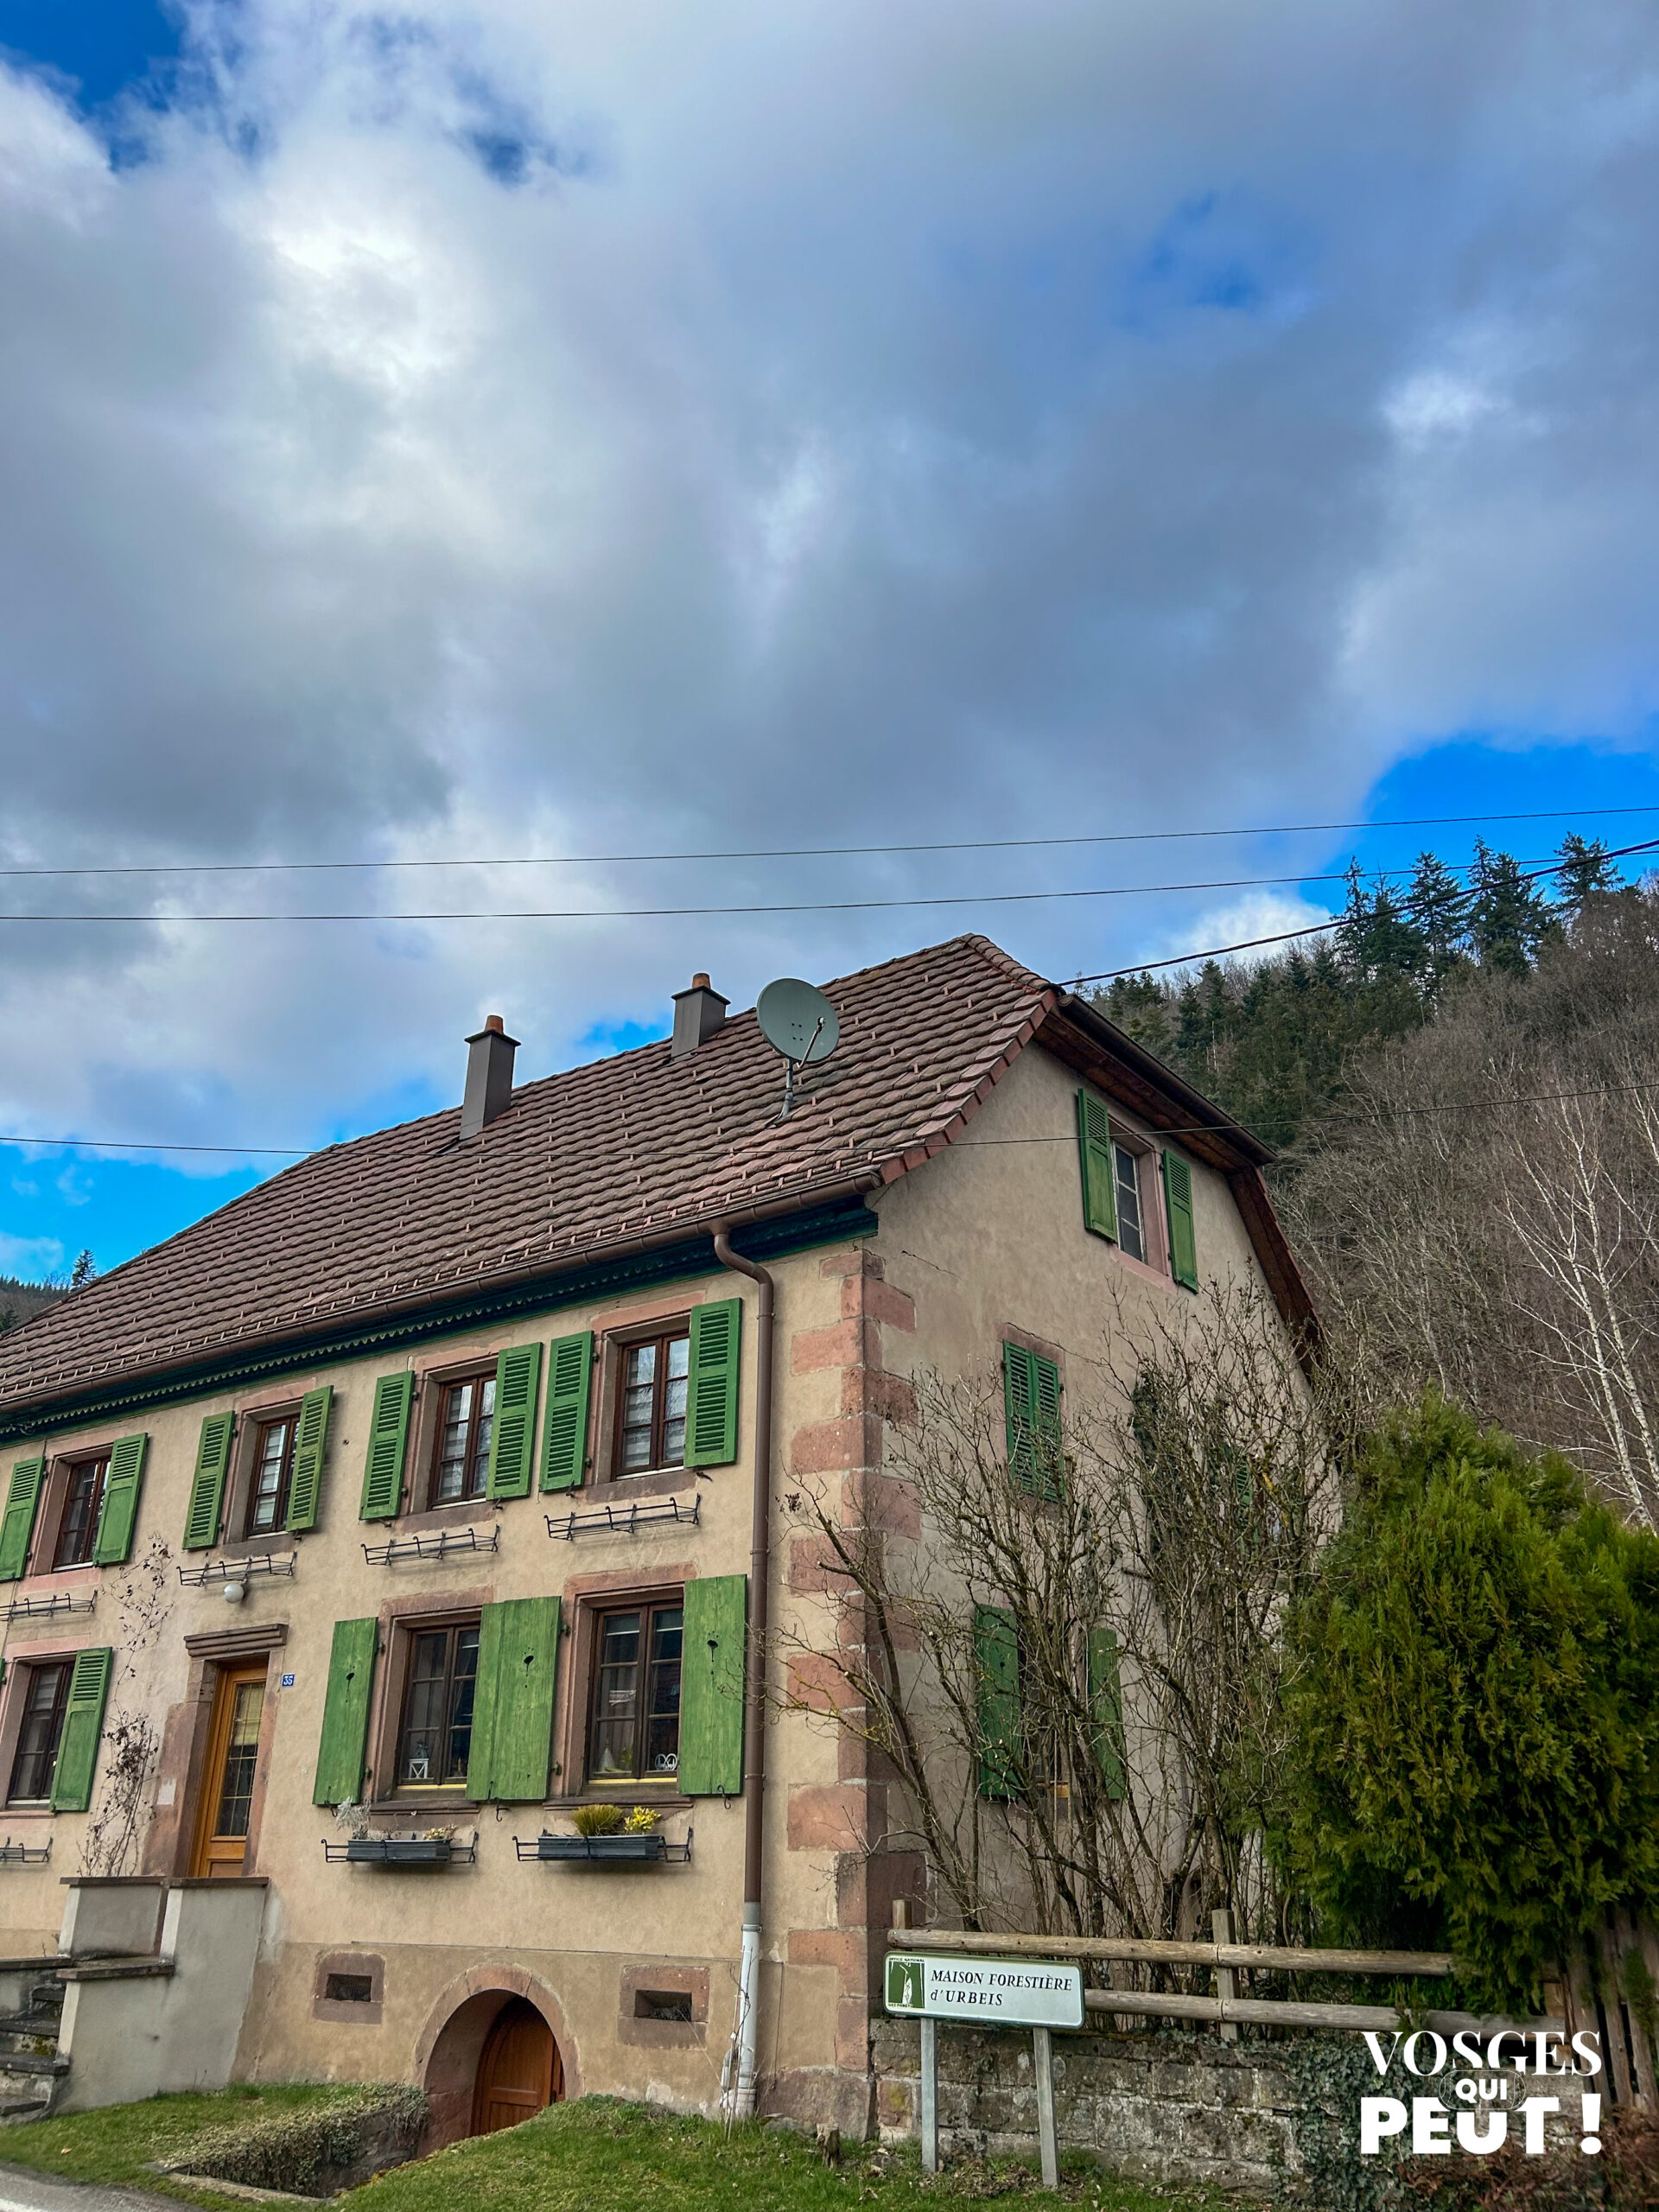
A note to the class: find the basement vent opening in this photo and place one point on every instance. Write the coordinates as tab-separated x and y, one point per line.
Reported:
662	2005
349	1989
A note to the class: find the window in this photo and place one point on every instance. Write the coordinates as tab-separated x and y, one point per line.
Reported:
461	1464
1131	1229
634	1731
241	1758
44	1708
654	1383
273	1471
349	1989
435	1739
82	1496
663	2004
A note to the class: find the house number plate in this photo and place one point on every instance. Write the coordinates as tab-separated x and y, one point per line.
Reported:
1002	1993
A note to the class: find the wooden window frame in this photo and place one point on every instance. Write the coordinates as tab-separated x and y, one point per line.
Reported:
1154	1229
72	1466
584	1598
450	1627
49	1514
399	1620
608	1609
611	1362
28	1669
469	1501
256	1427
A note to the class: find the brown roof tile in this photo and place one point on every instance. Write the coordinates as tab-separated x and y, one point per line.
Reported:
625	1151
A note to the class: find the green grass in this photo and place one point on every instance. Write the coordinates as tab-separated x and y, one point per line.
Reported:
599	2155
595	2154
118	2144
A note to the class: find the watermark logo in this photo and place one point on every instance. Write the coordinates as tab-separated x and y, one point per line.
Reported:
1483	2075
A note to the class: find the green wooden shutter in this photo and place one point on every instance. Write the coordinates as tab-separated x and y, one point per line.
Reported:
564	1438
1106	1708
711	1686
207	1484
383	1468
119	1515
1094	1152
310	1435
83	1728
345	1713
1030	1401
518	1377
511	1749
17	1525
711	1400
1177	1205
997	1661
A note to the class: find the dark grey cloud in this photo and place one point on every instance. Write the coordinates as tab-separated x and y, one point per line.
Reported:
514	427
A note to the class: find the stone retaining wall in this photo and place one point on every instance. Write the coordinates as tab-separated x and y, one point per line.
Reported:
1158	2107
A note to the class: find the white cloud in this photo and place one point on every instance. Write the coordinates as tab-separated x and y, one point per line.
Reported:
514	427
30	1259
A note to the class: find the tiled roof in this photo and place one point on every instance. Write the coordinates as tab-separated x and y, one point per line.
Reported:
632	1149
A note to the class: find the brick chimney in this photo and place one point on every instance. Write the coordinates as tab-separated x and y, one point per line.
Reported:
697	1014
489	1076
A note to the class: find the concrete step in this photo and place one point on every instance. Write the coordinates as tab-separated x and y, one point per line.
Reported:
14	2065
39	2041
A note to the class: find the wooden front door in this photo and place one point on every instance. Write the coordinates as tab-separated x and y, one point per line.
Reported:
519	2072
221	1845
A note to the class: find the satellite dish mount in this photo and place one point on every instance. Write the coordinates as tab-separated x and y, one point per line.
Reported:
798	1021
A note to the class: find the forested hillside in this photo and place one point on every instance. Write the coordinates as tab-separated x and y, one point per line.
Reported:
1271	1042
1465	1086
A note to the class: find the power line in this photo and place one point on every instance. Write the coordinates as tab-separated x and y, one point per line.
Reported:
667	913
833	852
794	906
125	1144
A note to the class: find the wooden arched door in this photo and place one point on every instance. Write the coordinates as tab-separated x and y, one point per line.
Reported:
520	2074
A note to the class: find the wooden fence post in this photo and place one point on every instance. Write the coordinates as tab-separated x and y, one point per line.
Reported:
1221	1927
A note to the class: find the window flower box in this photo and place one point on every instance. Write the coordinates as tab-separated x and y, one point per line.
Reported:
604	1850
402	1851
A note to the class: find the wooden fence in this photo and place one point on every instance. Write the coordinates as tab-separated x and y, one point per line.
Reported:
1615	1997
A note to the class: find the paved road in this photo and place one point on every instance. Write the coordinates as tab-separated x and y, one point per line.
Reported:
22	2189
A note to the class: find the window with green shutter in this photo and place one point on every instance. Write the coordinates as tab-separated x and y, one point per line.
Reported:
1177	1205
310	1440
711	1400
1031	1395
207	1484
1095	1155
997	1715
383	1465
117	1516
1106	1708
711	1686
83	1728
512	1437
17	1524
344	1746
512	1705
564	1434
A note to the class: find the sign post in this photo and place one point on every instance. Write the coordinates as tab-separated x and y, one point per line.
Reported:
1041	1995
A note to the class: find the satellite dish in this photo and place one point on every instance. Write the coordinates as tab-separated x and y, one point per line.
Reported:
797	1021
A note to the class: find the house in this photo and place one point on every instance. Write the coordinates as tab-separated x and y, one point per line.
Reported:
479	1426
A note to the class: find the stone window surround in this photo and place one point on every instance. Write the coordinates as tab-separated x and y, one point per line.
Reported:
678	1981
635	1326
48	1515
400	1620
333	2008
1155	1222
585	1597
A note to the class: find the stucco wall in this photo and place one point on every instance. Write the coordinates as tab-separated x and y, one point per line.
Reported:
987	1234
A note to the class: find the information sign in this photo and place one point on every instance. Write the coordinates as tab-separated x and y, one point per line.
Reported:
995	1993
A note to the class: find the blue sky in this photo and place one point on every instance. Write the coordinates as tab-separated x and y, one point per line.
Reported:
500	429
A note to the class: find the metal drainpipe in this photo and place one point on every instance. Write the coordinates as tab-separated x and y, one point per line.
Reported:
754	1687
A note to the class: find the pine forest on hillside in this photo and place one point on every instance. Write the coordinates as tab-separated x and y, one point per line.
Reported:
1464	1084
